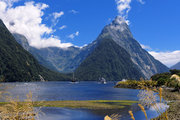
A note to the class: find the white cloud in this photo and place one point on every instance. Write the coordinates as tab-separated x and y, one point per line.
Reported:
146	47
141	1
9	2
57	15
123	7
27	20
77	33
72	36
168	58
74	11
63	27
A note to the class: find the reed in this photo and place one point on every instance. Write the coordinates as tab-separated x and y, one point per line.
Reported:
14	109
131	114
143	110
107	118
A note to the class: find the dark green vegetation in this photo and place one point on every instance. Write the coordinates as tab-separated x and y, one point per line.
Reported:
110	61
165	78
16	64
89	104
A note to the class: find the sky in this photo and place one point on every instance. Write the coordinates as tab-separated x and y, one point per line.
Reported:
62	23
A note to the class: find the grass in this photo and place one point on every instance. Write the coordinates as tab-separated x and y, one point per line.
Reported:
89	104
16	110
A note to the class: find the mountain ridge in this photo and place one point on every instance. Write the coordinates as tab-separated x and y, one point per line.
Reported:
70	59
176	66
124	38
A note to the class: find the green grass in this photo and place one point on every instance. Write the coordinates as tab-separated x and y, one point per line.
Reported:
90	104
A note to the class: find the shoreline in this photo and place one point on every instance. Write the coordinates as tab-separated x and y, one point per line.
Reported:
174	105
173	98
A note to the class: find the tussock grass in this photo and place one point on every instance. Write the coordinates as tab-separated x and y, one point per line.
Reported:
13	109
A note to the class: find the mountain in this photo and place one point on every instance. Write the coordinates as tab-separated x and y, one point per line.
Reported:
74	58
110	61
24	42
120	33
54	58
16	64
176	66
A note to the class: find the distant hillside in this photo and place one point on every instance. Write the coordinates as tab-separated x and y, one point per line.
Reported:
35	52
176	66
16	64
110	61
55	58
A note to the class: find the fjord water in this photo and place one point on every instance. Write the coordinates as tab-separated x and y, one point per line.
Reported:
53	91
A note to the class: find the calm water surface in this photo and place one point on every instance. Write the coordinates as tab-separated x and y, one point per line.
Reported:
51	91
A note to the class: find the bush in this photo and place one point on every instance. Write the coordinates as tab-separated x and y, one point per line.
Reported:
162	78
177	72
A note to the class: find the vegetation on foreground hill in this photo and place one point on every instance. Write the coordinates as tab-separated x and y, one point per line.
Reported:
134	84
170	79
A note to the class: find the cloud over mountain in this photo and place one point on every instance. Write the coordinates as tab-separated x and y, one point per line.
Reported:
168	58
123	7
27	20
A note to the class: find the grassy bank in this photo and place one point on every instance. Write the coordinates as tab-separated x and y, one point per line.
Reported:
93	104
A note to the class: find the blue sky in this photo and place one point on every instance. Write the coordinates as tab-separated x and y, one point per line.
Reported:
154	23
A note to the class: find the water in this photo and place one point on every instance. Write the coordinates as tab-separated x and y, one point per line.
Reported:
52	91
